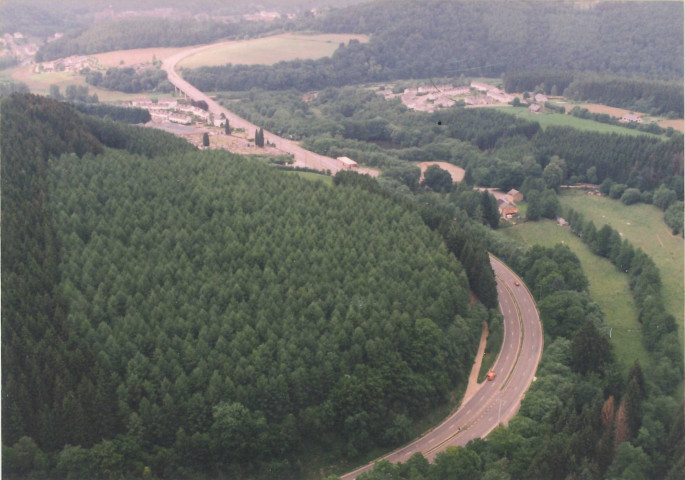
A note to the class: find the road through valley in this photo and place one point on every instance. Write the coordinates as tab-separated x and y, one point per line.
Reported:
302	157
497	401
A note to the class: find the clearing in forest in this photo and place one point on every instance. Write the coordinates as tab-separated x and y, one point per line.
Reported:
270	50
456	172
608	287
644	226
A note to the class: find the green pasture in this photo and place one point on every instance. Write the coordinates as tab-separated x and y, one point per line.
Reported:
563	120
644	226
40	83
608	286
314	177
270	50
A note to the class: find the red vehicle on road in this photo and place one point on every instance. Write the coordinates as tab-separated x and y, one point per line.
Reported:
490	376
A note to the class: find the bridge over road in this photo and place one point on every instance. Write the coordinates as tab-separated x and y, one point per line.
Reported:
301	156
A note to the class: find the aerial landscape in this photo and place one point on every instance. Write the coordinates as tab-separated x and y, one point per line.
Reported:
339	239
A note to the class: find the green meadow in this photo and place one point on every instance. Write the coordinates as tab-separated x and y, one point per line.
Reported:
644	226
563	120
608	286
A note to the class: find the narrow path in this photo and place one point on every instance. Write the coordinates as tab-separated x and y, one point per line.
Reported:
473	384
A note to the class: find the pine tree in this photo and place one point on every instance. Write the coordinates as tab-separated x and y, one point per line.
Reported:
205	139
227	127
259	137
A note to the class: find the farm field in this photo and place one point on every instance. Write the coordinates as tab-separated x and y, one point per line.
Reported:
608	286
562	120
643	225
677	124
270	50
120	58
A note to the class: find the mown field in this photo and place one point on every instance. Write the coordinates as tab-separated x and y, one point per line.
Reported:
121	58
270	50
676	124
562	120
643	225
608	286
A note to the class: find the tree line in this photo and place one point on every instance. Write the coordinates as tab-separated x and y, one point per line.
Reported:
131	81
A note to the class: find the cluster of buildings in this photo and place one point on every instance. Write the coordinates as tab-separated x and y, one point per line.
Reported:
75	63
428	99
175	112
16	46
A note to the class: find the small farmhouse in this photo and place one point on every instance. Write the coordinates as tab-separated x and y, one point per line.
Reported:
506	209
514	196
535	108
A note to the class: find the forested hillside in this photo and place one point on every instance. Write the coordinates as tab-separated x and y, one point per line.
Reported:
496	149
445	39
145	32
194	313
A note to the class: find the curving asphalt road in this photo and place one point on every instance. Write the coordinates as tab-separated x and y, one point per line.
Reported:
302	157
497	401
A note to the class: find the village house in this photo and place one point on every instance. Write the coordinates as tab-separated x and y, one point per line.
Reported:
500	96
536	108
514	196
198	112
348	163
506	209
540	97
484	87
631	118
478	100
178	118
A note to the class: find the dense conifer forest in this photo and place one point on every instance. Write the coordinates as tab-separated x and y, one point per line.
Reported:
196	313
446	39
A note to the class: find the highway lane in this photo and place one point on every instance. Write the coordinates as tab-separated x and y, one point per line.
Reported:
301	156
497	401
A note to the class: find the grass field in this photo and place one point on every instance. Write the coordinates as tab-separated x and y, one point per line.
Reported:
643	225
608	286
314	177
40	84
121	58
676	124
557	119
270	50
